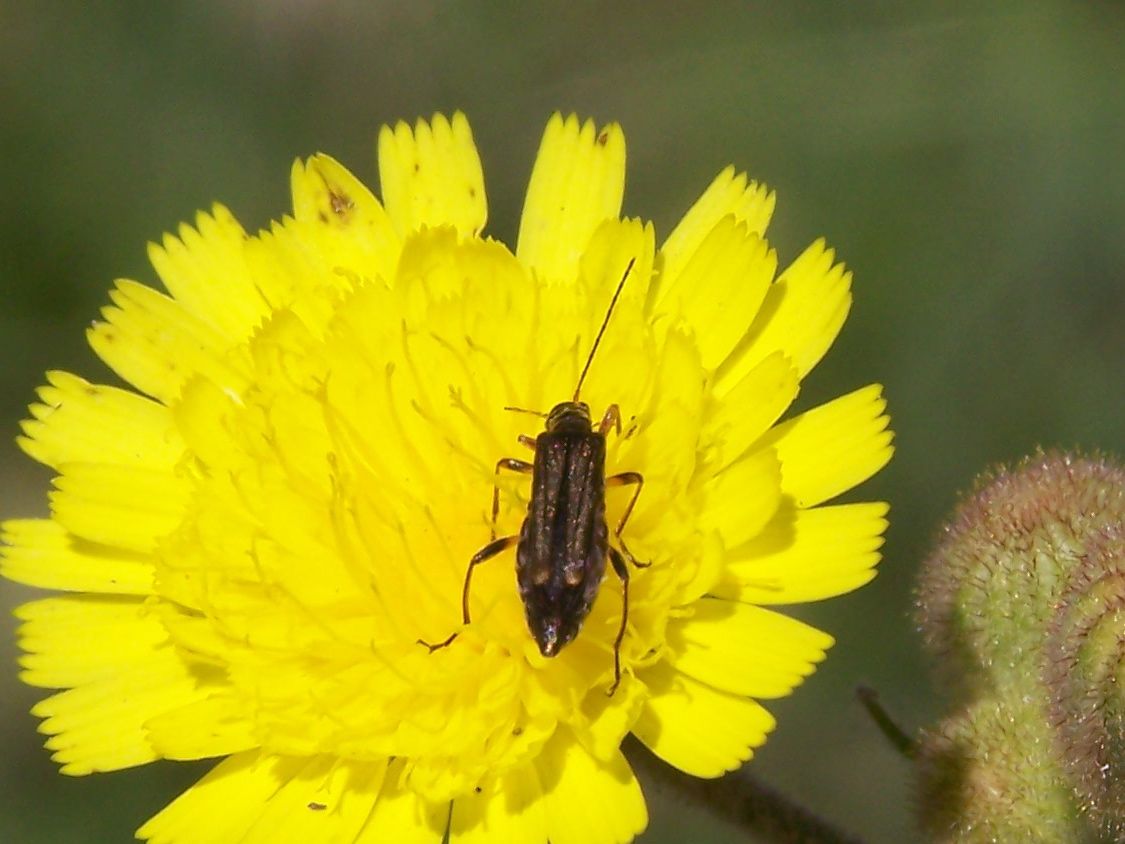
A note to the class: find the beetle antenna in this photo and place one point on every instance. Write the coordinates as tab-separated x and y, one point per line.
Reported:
525	410
601	331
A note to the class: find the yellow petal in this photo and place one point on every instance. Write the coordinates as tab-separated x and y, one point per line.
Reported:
205	270
612	246
310	266
73	640
720	288
204	417
750	407
400	815
343	222
511	809
328	799
601	720
730	193
801	316
79	421
100	725
587	801
431	176
155	344
122	506
701	731
215	726
601	270
834	447
252	795
578	182
40	552
669	420
745	650
709	569
807	555
743	497
224	804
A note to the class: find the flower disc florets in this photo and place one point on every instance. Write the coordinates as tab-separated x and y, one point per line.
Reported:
267	543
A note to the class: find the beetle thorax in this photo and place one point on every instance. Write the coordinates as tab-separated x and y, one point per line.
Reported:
569	417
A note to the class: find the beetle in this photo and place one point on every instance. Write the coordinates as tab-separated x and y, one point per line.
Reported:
563	544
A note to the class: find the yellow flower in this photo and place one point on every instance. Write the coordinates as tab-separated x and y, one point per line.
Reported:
255	542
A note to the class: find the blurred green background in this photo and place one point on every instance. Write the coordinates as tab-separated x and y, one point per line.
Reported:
966	160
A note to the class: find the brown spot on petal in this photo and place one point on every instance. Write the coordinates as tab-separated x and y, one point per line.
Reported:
341	203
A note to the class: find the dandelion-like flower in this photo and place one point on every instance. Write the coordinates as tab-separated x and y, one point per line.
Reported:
255	540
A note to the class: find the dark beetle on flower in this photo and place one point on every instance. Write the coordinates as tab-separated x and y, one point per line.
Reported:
562	546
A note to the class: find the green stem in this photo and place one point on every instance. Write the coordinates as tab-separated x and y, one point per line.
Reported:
743	800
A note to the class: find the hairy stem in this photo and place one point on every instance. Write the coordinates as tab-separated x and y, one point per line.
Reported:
900	740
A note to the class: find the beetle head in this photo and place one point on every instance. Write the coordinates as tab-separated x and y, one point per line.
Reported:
569	416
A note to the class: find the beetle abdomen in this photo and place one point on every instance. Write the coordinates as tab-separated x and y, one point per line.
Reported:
561	555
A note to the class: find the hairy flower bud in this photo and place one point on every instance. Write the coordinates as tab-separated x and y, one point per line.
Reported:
1085	677
986	596
1023	603
988	774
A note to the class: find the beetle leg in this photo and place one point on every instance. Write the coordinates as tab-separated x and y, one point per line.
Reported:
527	441
486	553
512	465
494	546
611	419
623	572
626	479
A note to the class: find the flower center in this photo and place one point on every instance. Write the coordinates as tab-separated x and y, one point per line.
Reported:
340	500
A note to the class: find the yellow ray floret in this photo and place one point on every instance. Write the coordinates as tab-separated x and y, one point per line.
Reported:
745	650
41	552
577	183
718	291
749	409
74	640
401	815
340	217
852	428
325	800
79	422
431	176
256	796
511	809
696	728
587	801
126	507
216	725
100	725
731	194
801	316
156	345
206	272
745	496
808	555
